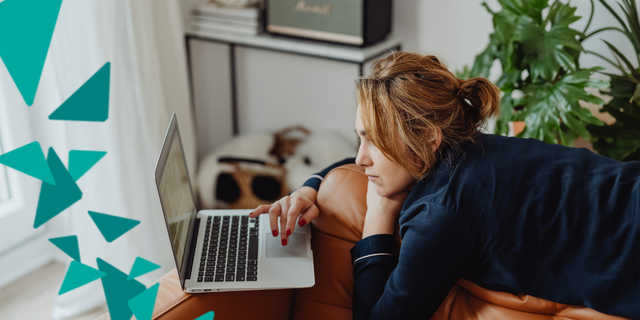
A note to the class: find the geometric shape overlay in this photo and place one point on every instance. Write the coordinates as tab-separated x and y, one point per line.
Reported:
78	275
80	161
207	316
29	159
55	199
142	304
118	291
27	27
140	267
68	245
90	102
112	227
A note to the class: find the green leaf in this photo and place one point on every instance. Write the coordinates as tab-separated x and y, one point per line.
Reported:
530	8
553	111
545	50
636	93
624	59
506	113
562	15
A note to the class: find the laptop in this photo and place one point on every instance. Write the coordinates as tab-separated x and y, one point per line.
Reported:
224	250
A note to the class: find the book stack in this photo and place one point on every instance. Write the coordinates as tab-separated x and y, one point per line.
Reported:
210	17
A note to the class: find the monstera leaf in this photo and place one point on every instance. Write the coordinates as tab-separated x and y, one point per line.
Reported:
552	110
545	51
539	54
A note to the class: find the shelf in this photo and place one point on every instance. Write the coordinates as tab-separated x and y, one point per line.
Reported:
302	46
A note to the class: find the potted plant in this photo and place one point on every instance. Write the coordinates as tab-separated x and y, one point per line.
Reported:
621	140
541	77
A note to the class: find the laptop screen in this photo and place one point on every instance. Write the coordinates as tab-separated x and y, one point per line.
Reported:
175	194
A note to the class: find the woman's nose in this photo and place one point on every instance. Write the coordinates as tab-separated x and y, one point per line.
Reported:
363	159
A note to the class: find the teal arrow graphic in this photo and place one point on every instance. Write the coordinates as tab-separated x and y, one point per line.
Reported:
29	159
142	304
68	245
112	227
78	275
55	199
118	291
140	267
207	316
80	161
90	102
27	28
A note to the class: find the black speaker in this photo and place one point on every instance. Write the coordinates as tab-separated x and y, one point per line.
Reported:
353	22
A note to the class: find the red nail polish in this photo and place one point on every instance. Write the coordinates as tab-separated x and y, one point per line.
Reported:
284	242
275	233
302	222
250	213
288	232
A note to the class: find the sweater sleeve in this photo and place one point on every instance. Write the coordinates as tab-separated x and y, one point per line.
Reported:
435	251
314	180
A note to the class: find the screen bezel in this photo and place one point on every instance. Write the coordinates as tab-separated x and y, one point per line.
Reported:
172	131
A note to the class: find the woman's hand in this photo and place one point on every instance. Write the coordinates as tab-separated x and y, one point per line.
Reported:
300	202
382	212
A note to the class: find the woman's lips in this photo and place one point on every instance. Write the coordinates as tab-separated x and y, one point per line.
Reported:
372	178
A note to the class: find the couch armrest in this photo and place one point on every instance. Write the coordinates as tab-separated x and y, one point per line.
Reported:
174	304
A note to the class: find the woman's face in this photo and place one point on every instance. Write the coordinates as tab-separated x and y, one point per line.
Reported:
388	177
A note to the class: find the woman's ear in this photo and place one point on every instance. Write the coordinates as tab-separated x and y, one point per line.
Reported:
438	140
435	141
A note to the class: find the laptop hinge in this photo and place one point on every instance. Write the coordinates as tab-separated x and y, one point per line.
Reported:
192	248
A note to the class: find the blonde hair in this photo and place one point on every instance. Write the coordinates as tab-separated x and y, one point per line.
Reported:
409	96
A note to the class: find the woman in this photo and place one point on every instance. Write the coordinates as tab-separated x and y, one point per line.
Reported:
514	215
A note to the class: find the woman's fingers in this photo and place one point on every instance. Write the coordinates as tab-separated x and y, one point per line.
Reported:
283	224
274	213
284	203
310	214
288	209
298	206
260	210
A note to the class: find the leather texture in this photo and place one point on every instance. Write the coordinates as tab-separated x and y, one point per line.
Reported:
342	204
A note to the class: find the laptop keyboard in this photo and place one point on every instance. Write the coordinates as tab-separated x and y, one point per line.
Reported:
230	250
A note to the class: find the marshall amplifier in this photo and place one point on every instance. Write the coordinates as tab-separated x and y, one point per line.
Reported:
354	22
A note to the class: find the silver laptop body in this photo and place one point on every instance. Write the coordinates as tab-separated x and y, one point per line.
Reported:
204	260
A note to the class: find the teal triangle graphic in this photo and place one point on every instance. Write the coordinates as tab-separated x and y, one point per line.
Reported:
140	267
68	245
80	161
27	28
55	199
118	291
29	159
90	102
142	304
78	275
112	227
207	316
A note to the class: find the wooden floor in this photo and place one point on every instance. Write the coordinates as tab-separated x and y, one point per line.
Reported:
32	296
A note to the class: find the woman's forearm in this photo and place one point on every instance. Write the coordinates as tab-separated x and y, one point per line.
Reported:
377	222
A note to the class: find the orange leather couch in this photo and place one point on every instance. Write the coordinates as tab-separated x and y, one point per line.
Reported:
342	205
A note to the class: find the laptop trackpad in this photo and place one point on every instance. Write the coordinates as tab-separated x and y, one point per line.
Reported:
294	249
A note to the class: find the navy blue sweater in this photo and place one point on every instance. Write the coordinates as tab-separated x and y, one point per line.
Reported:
514	215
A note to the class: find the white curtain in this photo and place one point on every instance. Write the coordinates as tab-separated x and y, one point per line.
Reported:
143	40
